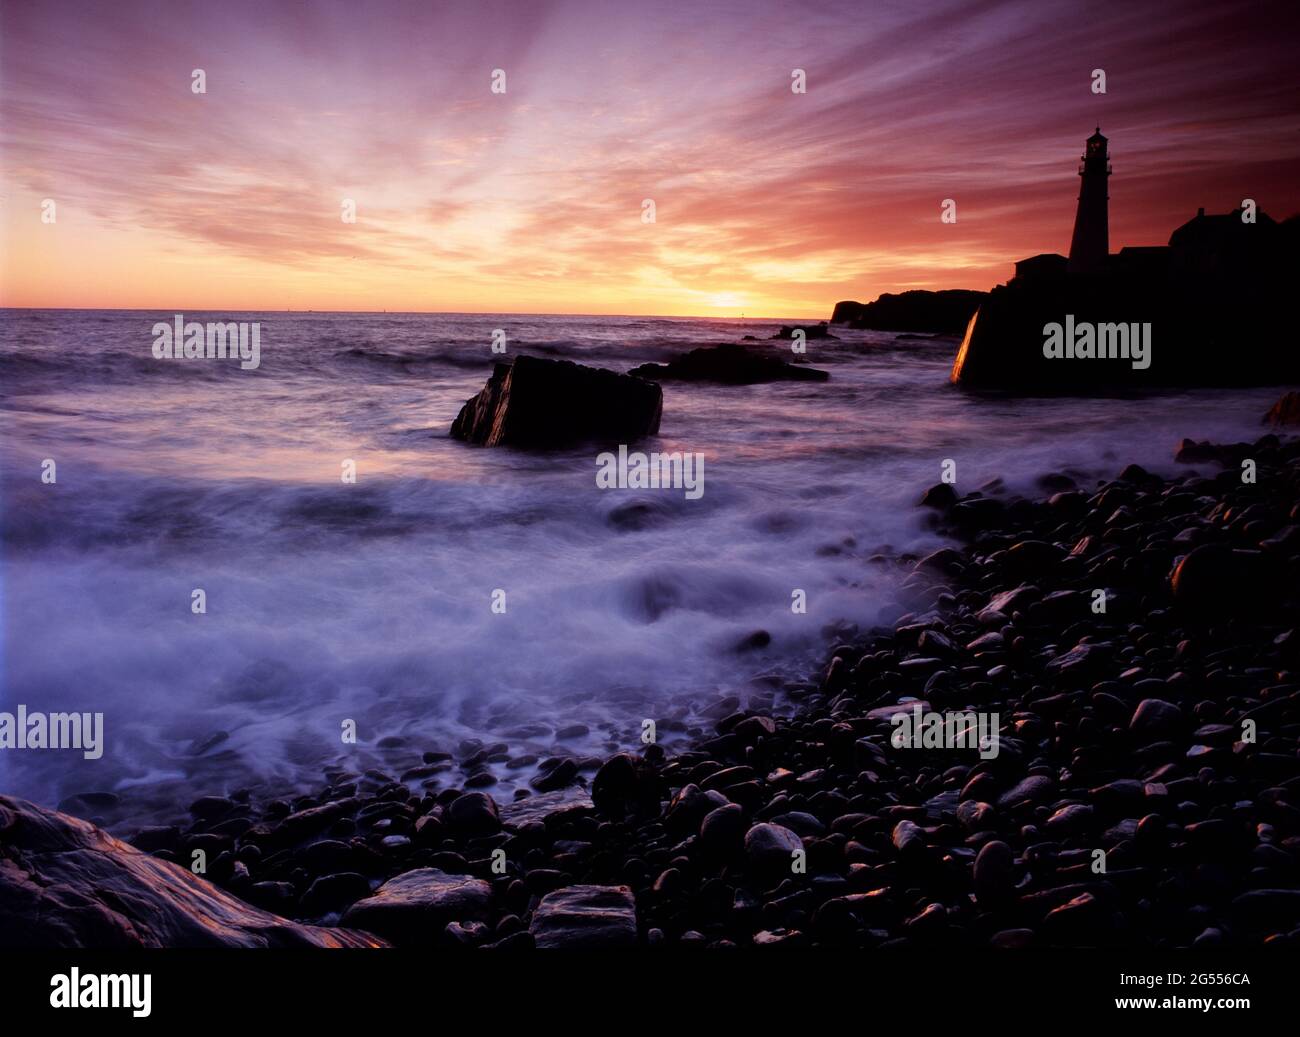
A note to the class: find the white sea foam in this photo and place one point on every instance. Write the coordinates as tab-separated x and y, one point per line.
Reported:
372	602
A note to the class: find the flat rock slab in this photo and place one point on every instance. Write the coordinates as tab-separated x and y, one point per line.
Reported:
537	808
585	916
65	883
1033	789
888	712
415	907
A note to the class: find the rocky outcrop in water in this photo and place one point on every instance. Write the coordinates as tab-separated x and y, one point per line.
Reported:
788	331
538	403
945	312
65	883
1286	412
729	365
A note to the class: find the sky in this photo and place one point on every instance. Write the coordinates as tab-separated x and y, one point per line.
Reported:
767	202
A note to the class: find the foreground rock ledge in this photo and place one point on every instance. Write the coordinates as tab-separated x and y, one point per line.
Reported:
65	883
549	403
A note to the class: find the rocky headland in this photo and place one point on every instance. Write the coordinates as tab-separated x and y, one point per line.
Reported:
1215	302
945	312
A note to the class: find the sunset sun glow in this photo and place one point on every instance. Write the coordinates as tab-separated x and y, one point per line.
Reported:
531	199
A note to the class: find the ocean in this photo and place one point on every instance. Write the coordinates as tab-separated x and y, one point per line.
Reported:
371	602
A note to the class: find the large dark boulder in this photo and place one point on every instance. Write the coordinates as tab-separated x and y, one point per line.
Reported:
474	813
65	883
548	403
625	783
944	313
994	874
729	365
1286	412
771	848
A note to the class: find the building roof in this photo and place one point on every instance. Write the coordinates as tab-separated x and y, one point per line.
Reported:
1218	228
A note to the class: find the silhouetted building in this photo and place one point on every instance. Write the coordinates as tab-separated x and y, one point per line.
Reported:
1090	244
1218	245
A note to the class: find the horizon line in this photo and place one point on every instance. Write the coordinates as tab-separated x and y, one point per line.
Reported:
414	313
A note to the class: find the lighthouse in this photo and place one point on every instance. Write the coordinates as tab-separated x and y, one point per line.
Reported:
1091	242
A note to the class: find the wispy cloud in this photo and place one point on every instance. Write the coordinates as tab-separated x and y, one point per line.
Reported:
765	199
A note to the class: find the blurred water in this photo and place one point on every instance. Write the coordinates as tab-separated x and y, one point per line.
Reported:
371	602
